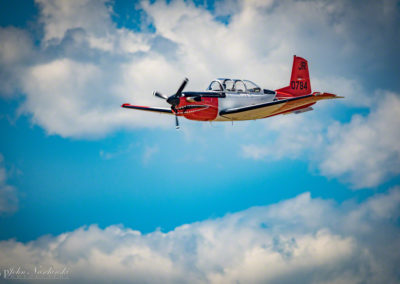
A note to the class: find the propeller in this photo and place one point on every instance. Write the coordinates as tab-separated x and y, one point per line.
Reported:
159	95
174	99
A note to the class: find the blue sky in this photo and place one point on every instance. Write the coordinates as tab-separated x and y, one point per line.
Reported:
75	164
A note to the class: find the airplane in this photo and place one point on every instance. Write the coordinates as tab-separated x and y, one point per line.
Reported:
235	99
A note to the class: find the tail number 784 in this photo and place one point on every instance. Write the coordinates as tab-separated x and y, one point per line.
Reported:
298	85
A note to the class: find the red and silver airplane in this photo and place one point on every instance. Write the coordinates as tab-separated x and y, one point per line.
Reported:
234	99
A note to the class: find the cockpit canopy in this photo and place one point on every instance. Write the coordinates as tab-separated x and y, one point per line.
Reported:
234	85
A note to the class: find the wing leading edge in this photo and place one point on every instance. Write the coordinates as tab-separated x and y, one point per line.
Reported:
151	109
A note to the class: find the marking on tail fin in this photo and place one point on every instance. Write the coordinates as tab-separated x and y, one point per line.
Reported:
299	84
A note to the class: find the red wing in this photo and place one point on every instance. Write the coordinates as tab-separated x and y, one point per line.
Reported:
152	109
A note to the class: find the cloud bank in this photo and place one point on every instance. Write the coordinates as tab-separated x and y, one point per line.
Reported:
73	79
363	152
75	76
302	240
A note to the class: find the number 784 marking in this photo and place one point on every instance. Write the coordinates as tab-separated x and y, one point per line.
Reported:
296	85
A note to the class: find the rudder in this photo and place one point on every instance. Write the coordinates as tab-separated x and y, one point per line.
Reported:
300	84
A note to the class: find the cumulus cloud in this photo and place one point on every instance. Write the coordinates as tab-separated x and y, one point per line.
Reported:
288	136
59	17
85	66
8	193
363	152
302	240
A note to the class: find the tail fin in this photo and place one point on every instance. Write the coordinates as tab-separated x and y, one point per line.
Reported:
300	84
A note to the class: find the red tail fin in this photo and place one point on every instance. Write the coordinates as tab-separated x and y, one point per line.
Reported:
300	84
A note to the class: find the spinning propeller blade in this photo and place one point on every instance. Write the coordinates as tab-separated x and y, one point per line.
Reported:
176	122
159	95
174	99
183	85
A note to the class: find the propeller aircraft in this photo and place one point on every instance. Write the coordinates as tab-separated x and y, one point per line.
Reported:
235	99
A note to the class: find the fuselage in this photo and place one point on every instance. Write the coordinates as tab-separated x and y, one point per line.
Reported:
222	93
206	106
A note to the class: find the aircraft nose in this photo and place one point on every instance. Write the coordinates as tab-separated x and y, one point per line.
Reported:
173	100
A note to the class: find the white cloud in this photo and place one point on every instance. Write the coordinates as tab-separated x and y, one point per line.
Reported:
363	152
118	65
288	136
301	240
70	98
58	17
366	151
86	67
354	93
8	193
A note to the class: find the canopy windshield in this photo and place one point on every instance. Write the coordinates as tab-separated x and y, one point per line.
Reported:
252	87
234	85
